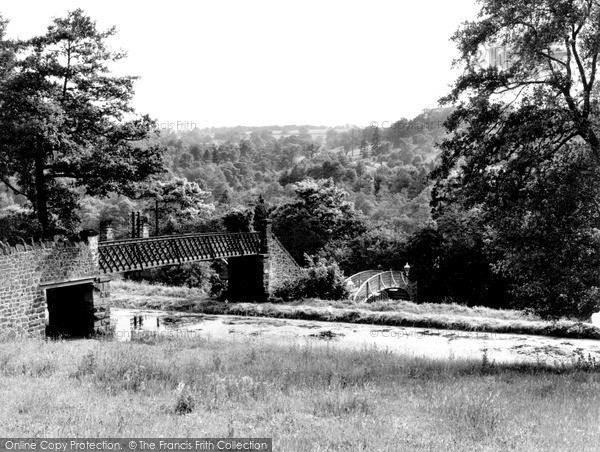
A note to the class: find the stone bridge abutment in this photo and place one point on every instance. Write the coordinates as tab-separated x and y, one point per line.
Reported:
52	286
62	287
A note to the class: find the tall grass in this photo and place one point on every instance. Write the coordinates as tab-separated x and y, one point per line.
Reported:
306	398
145	289
448	309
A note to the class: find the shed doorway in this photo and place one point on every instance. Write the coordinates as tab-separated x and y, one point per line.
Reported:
70	311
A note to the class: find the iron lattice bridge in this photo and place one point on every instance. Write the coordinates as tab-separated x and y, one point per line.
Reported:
142	253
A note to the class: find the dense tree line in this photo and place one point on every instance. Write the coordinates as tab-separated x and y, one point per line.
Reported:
524	151
503	213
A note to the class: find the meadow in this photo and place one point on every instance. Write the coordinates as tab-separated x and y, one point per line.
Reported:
306	398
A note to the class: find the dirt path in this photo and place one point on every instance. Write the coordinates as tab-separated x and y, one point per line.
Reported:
442	344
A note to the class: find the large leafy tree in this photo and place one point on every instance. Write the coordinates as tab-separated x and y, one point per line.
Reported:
525	147
6	55
320	214
67	127
178	205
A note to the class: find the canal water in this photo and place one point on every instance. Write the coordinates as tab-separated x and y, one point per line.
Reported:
431	343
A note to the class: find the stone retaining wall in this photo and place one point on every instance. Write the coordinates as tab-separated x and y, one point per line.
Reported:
282	266
27	270
57	284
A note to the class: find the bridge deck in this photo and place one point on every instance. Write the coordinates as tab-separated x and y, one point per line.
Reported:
142	253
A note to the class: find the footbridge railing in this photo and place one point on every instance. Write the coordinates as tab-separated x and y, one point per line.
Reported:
369	283
356	280
143	253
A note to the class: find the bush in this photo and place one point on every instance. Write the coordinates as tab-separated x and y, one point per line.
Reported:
320	280
185	401
195	275
218	287
238	220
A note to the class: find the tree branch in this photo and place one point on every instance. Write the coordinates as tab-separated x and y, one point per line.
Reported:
17	191
578	60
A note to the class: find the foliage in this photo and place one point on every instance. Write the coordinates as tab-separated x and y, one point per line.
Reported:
63	126
321	214
260	214
194	275
17	224
319	280
239	220
548	242
180	204
449	260
236	165
184	400
218	287
376	249
115	208
524	149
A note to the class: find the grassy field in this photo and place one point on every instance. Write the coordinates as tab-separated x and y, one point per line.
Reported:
390	313
307	399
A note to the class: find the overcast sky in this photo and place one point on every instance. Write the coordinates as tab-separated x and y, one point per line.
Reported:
255	62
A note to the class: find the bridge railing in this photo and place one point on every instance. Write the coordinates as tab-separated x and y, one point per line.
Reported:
380	282
142	253
356	280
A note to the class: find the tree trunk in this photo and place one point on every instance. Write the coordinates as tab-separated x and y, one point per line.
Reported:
41	194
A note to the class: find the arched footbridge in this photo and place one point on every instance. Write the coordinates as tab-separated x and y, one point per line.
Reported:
372	284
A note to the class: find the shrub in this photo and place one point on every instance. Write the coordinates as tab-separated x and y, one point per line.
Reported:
184	400
218	287
194	275
320	280
238	220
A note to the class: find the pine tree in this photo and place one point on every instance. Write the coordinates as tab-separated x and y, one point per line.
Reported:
67	126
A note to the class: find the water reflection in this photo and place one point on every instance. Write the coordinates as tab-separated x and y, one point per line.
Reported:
127	322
